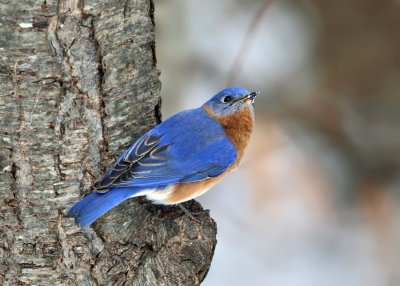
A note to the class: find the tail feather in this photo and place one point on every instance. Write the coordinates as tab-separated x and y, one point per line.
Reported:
87	210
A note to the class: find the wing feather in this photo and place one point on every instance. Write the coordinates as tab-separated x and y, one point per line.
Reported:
189	146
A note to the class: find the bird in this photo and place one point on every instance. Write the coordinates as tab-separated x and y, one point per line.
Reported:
179	159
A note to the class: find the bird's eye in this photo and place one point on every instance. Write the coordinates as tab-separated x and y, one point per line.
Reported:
227	99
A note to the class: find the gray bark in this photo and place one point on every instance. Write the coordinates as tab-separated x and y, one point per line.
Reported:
78	85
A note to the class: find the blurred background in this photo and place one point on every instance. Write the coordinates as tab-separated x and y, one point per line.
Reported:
316	200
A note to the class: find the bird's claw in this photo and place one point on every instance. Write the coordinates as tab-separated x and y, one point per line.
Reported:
191	214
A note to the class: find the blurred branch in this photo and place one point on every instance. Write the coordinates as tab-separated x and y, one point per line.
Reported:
246	44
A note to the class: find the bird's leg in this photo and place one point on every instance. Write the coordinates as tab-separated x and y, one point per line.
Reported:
188	213
203	211
191	213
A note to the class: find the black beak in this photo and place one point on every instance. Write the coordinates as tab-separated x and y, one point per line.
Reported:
252	96
248	97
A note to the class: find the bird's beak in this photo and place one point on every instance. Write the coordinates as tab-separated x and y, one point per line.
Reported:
252	96
249	97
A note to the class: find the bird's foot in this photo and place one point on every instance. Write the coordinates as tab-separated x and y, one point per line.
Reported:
192	214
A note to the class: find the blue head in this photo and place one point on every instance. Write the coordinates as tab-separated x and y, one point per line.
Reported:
231	100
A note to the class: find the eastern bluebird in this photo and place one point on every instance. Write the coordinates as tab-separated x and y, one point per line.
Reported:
179	159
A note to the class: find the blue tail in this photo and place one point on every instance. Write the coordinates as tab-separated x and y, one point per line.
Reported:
87	210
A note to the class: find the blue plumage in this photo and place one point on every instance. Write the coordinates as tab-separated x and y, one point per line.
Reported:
96	204
189	147
197	149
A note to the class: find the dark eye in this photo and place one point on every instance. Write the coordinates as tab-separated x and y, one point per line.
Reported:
227	99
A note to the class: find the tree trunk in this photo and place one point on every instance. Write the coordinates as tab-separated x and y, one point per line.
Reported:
78	85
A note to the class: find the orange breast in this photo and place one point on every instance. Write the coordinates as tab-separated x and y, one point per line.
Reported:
238	128
186	191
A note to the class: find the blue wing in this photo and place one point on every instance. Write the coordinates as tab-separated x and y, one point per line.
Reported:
190	146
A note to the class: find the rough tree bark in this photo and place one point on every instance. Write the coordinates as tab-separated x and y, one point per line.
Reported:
78	85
